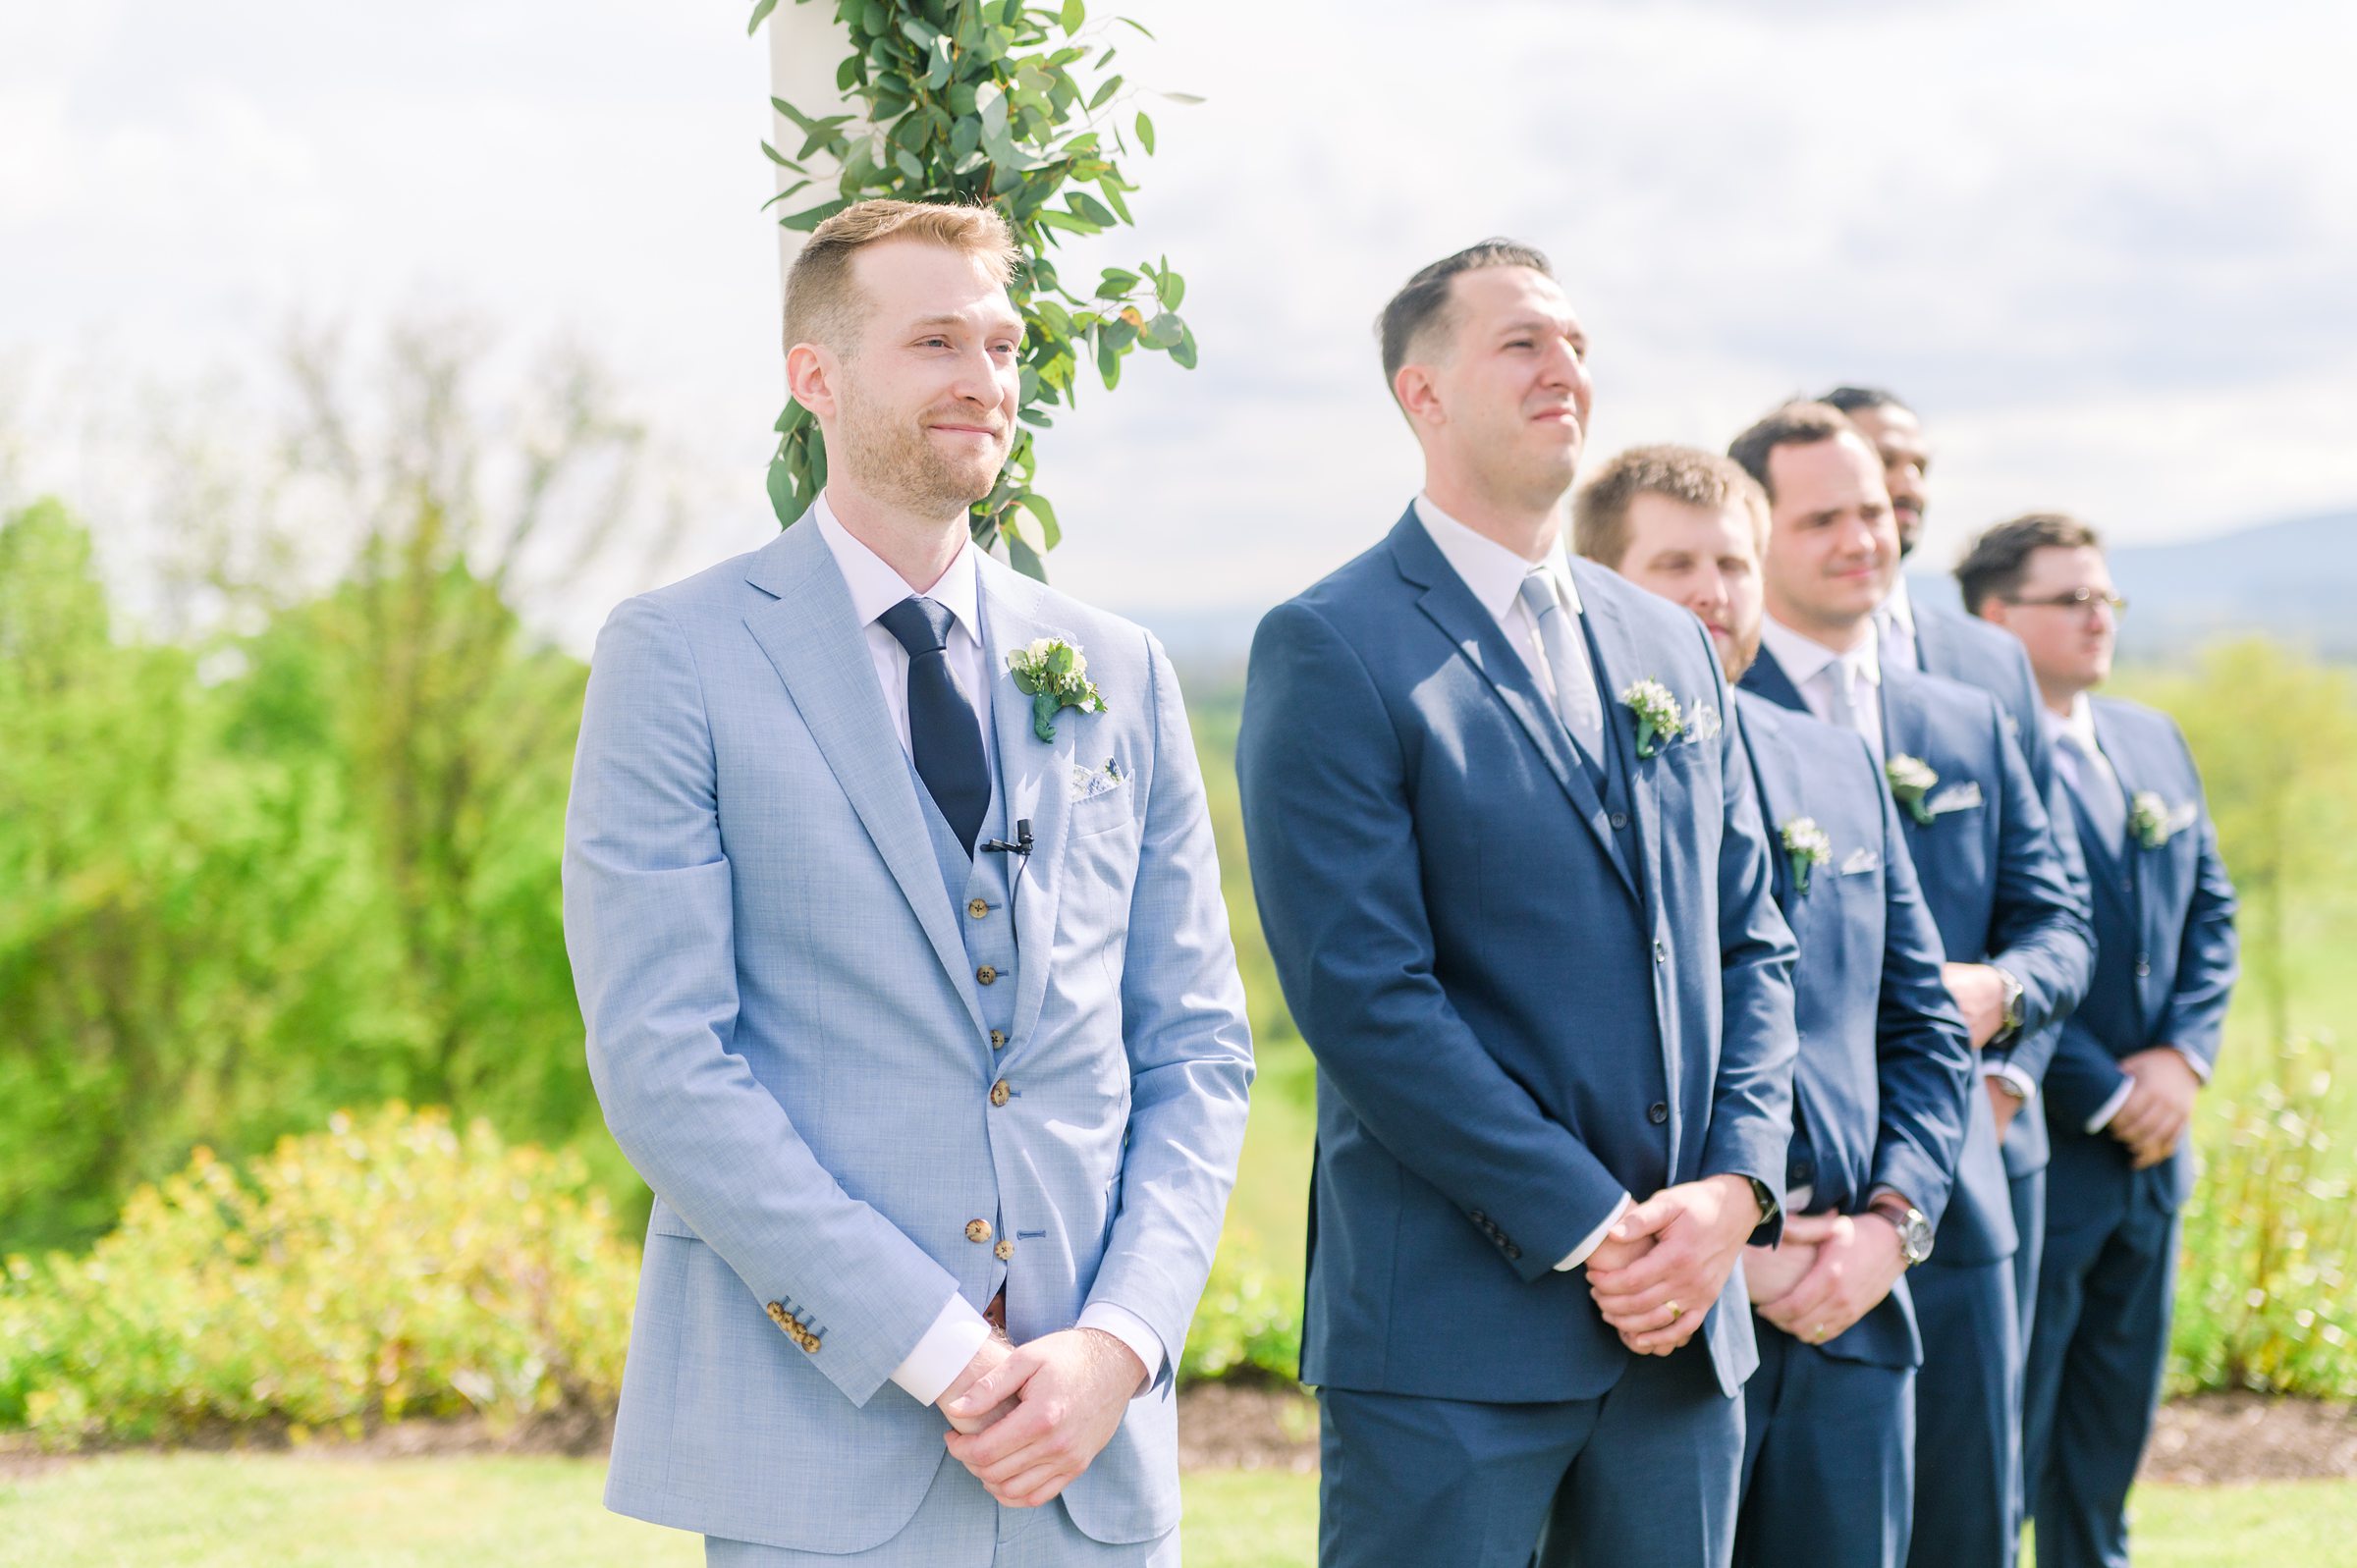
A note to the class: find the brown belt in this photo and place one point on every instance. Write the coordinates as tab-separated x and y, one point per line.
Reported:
996	1313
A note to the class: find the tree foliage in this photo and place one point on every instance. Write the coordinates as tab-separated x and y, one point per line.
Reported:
1017	106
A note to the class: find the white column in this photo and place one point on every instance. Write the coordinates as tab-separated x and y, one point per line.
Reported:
806	46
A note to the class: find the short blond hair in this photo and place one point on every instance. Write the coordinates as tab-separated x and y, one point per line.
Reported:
1689	474
822	300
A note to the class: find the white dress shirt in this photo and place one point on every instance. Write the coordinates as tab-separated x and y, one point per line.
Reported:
2076	728
1495	574
1831	680
875	587
1894	628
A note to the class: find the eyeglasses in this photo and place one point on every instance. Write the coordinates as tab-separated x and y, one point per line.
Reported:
2078	599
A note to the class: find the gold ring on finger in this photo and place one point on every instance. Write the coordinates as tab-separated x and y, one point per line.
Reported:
1674	1310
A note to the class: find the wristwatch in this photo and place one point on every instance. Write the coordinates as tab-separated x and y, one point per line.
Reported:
1914	1231
2012	1025
1764	1196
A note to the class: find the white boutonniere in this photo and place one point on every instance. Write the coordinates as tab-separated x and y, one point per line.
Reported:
2152	821
1054	675
1911	779
1659	719
1808	847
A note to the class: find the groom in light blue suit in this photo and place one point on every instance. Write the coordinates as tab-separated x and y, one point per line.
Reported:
908	986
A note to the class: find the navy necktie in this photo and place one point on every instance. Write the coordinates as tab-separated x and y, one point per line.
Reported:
944	734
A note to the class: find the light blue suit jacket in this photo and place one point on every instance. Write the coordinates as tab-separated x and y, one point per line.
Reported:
787	1039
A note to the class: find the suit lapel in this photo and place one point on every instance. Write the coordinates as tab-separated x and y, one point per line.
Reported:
1903	731
821	653
1478	638
1618	666
1766	679
1035	776
1777	773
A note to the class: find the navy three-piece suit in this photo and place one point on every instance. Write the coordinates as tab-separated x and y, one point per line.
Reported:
2164	966
1997	888
1534	984
1886	1078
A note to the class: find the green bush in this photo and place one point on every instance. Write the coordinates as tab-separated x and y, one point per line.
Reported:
1249	1319
390	1266
2262	1298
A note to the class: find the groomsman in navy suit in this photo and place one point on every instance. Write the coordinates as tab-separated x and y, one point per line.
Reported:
2121	1089
1510	865
2010	926
1886	1068
1943	640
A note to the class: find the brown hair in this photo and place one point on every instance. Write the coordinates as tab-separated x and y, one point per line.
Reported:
1795	425
2000	559
823	303
1698	479
1422	305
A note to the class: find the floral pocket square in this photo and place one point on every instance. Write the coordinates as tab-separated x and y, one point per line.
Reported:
1103	779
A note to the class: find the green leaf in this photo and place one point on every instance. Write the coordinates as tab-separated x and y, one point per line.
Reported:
781	489
810	218
792	189
761	11
1165	331
1076	13
1168	289
1089	207
1139	26
1185	97
874	19
1183	356
905	161
1049	528
1145	132
1111	85
780	160
1116	284
1026	561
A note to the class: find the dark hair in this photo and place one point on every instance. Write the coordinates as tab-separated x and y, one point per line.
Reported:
1687	475
1422	305
1795	425
1993	568
1849	400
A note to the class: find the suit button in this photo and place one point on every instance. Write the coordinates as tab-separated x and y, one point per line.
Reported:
1000	1094
2144	966
998	1040
1657	1112
1004	1250
777	1313
977	908
977	1231
986	974
1661	951
1514	1252
1620	820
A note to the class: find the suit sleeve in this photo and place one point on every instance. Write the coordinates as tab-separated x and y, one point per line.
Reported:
649	926
2208	956
1751	1099
2081	1080
1188	1043
1924	1060
1333	843
2039	930
2033	1050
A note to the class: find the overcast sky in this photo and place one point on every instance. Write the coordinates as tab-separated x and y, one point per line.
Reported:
2107	249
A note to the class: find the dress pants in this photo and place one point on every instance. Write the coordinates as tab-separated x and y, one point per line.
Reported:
2094	1377
2029	1222
1643	1476
1967	1403
1829	1450
959	1524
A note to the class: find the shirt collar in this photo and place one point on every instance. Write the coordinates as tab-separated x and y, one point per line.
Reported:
876	587
1804	657
2078	723
1494	572
1899	608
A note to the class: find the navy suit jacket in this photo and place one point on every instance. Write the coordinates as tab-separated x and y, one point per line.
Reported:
1885	1064
2165	965
1963	647
1515	1018
1996	884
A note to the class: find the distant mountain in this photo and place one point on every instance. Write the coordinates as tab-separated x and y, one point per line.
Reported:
2295	579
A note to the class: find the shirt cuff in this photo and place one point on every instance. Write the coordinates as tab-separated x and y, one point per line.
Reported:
1595	1238
1132	1331
2110	1108
2201	1069
942	1354
2023	1084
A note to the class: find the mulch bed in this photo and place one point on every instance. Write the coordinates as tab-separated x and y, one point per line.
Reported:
2208	1441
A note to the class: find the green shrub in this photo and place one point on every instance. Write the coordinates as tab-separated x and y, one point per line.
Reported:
390	1266
1249	1319
2262	1298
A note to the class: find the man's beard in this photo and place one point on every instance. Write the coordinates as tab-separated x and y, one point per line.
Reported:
899	464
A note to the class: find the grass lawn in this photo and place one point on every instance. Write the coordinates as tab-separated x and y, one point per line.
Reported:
215	1511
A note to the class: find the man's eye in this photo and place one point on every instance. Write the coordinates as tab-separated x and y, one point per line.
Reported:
1519	343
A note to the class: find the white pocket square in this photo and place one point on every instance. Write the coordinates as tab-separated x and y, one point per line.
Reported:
1862	860
1955	797
1090	782
2183	817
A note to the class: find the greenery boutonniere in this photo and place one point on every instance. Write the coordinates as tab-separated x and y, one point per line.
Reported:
1809	847
1911	779
1054	675
1659	719
2149	819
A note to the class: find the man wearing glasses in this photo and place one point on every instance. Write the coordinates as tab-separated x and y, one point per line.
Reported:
2119	1093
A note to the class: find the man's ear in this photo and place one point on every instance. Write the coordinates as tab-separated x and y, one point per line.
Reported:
810	372
1993	609
1419	394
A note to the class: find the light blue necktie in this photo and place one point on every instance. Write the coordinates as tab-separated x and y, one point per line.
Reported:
2091	778
1576	699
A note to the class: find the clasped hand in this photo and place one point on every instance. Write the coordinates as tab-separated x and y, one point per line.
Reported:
1028	1418
1659	1269
2160	1104
1829	1272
